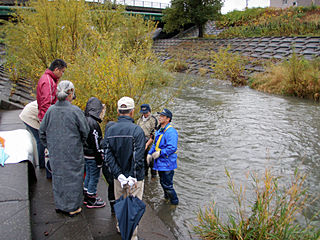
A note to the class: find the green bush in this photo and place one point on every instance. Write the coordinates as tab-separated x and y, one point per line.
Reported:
229	66
272	215
176	65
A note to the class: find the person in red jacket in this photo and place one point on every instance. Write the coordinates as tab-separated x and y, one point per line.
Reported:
46	92
47	86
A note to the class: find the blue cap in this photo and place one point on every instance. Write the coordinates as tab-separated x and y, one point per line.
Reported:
166	112
145	108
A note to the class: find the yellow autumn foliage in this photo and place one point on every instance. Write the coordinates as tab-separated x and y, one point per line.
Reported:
108	52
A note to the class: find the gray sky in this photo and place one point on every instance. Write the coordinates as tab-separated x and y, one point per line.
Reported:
230	5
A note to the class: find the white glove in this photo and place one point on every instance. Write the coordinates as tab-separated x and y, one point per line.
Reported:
131	181
123	180
156	155
149	159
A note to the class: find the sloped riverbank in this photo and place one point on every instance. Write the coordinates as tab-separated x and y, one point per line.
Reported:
196	53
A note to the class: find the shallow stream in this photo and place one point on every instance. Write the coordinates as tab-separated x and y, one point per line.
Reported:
239	129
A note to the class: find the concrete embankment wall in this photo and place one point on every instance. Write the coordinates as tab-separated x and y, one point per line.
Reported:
258	48
13	95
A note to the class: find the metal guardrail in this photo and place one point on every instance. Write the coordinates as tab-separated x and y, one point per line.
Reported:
6	11
139	3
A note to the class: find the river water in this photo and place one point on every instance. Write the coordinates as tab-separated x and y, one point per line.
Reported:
239	129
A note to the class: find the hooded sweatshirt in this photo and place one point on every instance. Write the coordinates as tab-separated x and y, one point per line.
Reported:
92	148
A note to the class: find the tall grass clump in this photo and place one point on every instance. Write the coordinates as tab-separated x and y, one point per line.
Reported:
229	66
272	215
294	77
108	52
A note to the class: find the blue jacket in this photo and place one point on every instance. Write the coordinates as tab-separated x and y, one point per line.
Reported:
168	145
125	144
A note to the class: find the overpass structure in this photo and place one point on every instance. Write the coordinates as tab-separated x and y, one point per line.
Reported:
149	10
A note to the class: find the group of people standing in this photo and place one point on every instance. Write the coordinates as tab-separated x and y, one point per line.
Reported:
76	145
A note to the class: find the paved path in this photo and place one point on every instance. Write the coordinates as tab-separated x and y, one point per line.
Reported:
95	224
14	187
9	120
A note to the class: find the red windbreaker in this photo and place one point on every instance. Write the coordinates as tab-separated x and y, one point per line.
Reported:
46	92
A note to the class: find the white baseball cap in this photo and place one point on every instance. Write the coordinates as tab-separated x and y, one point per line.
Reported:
125	103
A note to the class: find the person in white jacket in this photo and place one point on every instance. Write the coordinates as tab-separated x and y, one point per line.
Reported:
29	116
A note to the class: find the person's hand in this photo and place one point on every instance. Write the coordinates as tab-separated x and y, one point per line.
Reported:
123	180
131	181
156	155
149	159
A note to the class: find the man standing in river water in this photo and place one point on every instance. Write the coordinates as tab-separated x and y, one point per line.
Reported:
164	154
149	125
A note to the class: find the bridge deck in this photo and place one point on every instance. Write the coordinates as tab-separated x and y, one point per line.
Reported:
147	12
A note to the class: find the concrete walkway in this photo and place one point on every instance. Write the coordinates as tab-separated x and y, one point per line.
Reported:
95	224
28	211
14	186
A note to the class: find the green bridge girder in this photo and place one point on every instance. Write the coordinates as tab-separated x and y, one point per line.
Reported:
6	11
146	15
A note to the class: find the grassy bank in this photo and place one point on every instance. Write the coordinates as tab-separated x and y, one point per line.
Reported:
260	22
294	77
271	214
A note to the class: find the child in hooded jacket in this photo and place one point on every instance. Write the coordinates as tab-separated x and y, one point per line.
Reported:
94	113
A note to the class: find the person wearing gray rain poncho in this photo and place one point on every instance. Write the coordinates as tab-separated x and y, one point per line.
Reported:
63	131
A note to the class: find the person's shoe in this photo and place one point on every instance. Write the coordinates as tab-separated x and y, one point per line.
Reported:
93	202
74	213
86	196
70	214
166	196
176	202
118	230
60	211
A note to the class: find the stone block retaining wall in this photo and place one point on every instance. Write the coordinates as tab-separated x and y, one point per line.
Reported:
258	48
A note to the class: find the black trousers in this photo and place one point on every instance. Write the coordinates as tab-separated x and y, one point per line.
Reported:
109	178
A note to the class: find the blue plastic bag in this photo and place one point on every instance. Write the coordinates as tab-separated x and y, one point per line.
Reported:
3	156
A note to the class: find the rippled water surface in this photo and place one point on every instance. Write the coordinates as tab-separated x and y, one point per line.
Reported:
238	129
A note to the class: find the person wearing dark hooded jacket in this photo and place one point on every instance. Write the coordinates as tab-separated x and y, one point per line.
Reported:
94	113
